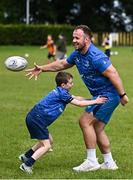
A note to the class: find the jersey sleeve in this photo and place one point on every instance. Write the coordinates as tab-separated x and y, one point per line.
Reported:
71	58
102	64
66	97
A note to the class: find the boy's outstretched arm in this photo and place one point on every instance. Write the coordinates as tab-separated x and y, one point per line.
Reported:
82	103
80	98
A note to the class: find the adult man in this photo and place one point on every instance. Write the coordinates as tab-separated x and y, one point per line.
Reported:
101	78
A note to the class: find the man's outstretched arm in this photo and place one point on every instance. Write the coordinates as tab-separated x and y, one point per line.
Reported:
55	66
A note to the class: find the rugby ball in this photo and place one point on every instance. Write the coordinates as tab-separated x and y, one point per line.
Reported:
16	63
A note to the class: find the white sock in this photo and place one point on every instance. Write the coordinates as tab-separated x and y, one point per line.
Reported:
91	155
108	157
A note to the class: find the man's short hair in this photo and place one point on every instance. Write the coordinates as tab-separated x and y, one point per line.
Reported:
62	77
85	29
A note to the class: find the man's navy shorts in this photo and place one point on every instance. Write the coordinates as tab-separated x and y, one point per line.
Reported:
104	111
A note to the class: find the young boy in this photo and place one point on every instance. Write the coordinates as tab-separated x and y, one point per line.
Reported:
45	112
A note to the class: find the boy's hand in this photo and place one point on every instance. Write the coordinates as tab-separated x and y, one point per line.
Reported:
101	100
34	72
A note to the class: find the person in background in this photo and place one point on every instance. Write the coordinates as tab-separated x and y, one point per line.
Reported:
50	45
45	112
93	39
61	47
101	78
106	45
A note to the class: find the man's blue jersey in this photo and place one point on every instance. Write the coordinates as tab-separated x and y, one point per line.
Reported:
52	105
91	66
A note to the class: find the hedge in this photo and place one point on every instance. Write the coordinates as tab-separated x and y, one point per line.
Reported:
32	34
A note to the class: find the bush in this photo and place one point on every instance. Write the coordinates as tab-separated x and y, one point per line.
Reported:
32	34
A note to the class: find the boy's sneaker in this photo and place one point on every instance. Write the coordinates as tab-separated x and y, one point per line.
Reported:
50	150
23	158
109	165
25	168
87	165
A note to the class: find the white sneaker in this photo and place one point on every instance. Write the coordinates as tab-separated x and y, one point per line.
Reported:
87	165
109	165
25	168
23	158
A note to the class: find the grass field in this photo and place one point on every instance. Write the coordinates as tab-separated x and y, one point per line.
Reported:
18	95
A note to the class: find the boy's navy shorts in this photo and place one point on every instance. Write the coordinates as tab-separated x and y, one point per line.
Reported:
103	112
36	127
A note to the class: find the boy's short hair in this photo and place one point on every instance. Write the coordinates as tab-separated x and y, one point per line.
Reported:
62	77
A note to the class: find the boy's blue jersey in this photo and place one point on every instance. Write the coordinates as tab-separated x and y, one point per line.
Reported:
91	66
52	105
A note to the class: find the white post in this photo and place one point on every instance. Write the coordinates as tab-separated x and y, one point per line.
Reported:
27	11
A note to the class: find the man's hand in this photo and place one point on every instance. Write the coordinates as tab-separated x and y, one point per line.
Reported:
124	100
34	72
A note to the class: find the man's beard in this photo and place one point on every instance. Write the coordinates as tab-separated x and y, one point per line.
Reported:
80	49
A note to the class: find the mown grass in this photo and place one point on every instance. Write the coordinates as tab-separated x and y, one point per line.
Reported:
18	95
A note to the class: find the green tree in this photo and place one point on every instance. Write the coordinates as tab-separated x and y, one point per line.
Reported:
100	15
12	11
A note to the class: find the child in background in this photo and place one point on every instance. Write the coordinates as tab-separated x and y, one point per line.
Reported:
51	47
61	47
106	45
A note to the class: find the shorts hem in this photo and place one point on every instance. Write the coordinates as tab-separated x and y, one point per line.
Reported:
38	138
97	117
